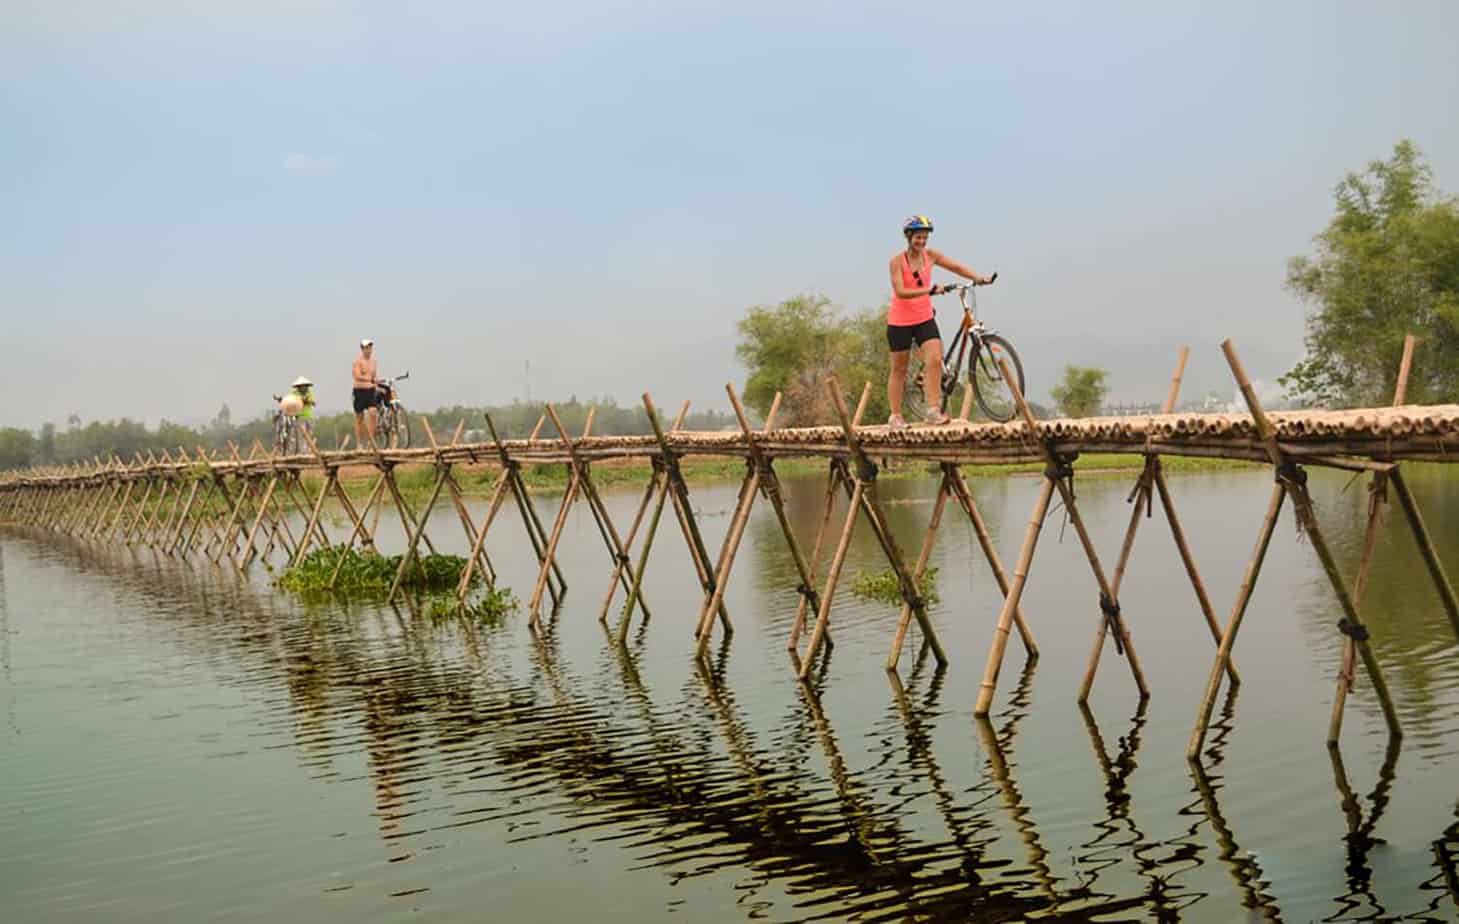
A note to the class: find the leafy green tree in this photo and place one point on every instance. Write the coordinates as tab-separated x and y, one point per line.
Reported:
1385	266
17	448
1081	392
795	347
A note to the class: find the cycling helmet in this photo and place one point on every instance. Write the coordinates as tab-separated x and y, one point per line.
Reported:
302	382
917	223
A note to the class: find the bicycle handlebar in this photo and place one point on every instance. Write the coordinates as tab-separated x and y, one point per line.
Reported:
964	286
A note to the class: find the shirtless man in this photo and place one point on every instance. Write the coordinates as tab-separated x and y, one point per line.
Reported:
362	378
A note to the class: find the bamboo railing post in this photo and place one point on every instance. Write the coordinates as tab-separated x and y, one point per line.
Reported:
684	513
1142	499
749	489
964	496
659	486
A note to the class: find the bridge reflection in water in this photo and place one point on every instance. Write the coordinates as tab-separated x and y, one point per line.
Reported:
453	739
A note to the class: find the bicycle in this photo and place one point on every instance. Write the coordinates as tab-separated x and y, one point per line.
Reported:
987	348
287	441
392	423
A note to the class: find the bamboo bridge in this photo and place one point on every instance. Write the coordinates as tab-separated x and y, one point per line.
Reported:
239	508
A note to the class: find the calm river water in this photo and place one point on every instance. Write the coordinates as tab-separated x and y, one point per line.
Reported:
180	744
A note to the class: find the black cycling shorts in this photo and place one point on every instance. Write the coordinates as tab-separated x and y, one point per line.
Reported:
901	338
364	399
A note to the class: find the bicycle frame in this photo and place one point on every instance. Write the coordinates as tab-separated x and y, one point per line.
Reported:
970	331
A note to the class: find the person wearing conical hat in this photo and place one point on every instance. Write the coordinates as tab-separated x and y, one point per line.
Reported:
303	389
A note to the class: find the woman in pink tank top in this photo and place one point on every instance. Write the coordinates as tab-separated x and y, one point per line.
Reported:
910	318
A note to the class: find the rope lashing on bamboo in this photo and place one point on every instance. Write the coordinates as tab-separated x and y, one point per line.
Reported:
1111	609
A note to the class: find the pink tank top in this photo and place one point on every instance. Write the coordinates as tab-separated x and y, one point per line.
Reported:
906	312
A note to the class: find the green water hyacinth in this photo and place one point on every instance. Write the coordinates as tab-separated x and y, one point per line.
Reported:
364	574
884	586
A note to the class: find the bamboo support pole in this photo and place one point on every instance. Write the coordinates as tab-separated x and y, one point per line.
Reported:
770	484
684	513
498	494
1177	533
834	476
204	515
1061	473
331	478
659	487
126	536
833	576
1294	481
246	555
1013	597
530	520
920	568
616	548
731	545
1427	550
358	521
227	540
1377	498
182	517
964	496
418	531
1143	501
649	491
458	501
865	472
549	556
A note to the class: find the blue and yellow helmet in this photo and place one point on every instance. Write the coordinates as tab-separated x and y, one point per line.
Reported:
917	223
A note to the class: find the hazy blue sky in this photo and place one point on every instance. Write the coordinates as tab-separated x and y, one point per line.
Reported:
201	200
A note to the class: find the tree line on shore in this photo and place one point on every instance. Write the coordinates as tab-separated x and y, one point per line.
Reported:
82	442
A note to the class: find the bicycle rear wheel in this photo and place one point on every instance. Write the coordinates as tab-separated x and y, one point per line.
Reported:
914	398
400	431
989	388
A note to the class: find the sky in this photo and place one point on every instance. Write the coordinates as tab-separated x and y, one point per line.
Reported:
201	200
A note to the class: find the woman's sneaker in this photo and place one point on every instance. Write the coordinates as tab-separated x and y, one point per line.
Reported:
897	422
937	417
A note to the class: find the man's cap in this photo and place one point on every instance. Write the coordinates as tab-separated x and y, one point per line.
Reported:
366	342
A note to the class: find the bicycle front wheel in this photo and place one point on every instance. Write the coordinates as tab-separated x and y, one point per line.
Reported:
281	434
989	387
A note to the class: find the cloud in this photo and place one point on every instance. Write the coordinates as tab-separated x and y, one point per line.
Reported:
310	163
